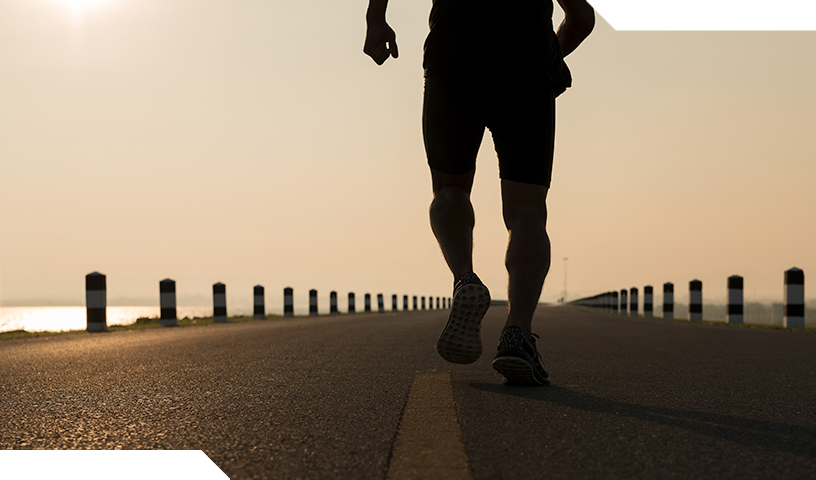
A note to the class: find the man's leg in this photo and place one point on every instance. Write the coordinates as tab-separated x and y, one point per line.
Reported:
452	219
524	207
452	222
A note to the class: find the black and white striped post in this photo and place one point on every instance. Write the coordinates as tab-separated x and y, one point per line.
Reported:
96	302
333	303
735	300
288	302
380	303
648	301
615	302
415	302
167	302
668	300
351	307
219	303
258	303
794	315
405	303
624	298
423	303
368	303
312	302
695	300
633	302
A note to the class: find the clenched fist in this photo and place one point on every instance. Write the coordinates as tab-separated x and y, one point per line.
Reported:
380	42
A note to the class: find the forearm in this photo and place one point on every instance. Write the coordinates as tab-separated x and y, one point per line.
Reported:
571	34
376	11
579	19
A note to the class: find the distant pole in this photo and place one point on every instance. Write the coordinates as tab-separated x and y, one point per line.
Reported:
735	299
394	302
96	302
259	305
423	303
449	302
380	303
633	302
167	302
405	303
794	315
219	303
668	300
312	302
695	300
351	308
615	303
288	302
415	302
624	298
333	303
648	301
368	303
437	303
565	279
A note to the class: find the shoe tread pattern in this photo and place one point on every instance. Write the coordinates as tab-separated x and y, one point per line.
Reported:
461	340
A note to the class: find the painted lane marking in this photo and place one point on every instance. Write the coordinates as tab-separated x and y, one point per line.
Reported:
429	442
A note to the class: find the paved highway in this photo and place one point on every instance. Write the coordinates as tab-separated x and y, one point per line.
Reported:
324	397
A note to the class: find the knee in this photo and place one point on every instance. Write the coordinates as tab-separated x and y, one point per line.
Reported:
451	201
525	218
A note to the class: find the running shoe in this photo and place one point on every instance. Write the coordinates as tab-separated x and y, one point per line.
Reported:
518	359
461	340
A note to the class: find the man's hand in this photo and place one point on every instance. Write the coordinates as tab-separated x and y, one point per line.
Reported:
380	42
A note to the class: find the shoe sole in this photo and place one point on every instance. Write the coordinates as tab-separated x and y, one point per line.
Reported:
518	371
461	340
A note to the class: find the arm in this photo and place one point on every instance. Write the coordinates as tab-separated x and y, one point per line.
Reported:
380	40
579	20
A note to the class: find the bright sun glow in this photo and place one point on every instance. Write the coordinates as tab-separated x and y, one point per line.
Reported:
80	4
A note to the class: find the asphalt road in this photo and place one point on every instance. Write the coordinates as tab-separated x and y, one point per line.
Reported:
323	397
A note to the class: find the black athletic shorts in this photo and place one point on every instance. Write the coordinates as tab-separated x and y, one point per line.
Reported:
518	108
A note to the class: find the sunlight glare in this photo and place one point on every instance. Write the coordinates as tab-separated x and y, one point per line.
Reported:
78	9
80	4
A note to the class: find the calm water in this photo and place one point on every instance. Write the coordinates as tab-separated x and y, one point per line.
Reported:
36	319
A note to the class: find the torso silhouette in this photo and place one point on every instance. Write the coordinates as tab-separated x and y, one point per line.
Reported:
495	36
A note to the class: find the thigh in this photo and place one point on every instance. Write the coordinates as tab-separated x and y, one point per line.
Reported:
451	122
522	122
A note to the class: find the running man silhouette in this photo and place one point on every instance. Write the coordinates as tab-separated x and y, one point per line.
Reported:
496	64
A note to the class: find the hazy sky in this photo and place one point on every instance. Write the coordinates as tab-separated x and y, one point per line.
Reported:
252	142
